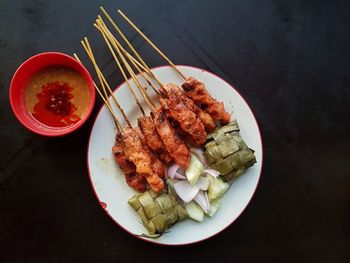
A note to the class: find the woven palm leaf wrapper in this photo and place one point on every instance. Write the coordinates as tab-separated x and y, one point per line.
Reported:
226	152
158	211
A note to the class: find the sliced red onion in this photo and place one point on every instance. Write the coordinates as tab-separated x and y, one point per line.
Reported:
203	183
185	190
176	172
203	201
212	172
172	170
199	154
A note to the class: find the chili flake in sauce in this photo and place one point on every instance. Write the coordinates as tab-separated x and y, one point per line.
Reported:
54	107
57	97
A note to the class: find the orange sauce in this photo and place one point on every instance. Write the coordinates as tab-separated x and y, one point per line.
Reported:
57	96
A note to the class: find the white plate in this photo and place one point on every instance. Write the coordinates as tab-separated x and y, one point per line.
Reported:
108	180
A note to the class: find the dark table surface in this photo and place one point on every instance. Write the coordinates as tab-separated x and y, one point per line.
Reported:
289	59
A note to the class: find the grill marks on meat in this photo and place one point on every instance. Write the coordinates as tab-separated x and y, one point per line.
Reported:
173	143
199	94
191	112
135	153
153	140
174	91
187	119
133	179
157	165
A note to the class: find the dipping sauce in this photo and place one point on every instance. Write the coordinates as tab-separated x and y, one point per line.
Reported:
57	96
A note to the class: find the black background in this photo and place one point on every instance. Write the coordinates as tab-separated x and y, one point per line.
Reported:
289	59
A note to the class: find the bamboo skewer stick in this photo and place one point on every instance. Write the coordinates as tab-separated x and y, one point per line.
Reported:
98	75
136	64
113	41
132	59
151	43
148	102
104	34
144	93
139	65
104	30
149	73
103	80
141	89
123	36
138	68
89	52
118	125
134	77
87	46
142	65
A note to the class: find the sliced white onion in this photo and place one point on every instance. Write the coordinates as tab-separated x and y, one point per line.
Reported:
180	176
185	190
207	199
212	172
199	154
176	172
203	183
203	201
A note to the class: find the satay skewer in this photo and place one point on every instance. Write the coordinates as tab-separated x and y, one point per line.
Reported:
157	165
194	89
190	117
133	179
151	44
177	108
132	147
206	118
151	137
187	106
135	138
174	145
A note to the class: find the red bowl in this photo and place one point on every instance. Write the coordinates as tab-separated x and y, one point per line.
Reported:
25	72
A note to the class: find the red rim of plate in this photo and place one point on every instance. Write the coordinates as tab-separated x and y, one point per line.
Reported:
103	205
68	129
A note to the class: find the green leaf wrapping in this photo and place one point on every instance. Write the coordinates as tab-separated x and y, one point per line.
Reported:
158	212
226	151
